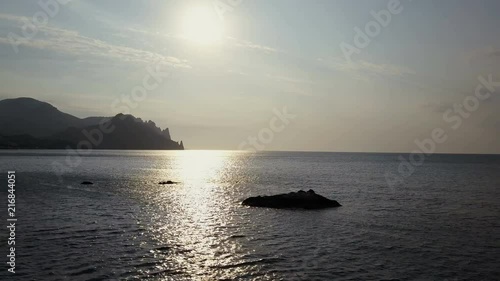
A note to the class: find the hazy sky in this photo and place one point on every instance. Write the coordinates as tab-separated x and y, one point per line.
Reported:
229	73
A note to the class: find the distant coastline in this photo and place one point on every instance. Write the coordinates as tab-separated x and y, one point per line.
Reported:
27	123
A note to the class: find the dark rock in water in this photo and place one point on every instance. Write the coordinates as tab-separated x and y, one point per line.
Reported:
167	182
292	200
237	236
87	182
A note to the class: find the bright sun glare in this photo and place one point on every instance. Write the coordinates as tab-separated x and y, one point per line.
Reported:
201	25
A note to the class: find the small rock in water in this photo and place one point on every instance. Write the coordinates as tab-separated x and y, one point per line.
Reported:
167	182
87	182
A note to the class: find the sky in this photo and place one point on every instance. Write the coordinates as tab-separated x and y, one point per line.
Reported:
267	75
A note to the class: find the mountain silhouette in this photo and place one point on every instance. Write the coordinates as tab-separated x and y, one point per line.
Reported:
29	123
33	117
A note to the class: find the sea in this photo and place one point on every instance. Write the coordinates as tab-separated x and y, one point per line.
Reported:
441	221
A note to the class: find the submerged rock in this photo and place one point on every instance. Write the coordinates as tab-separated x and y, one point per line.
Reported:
292	200
87	182
167	182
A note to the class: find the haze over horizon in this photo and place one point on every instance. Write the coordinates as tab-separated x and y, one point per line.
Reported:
230	73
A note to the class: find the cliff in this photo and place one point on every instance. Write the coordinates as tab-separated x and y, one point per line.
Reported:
29	123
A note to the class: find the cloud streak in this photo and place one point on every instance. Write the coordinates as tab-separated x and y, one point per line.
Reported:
73	43
371	68
289	79
253	46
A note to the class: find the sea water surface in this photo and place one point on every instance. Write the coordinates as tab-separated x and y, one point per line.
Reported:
441	223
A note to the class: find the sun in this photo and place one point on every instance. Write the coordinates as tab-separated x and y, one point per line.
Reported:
201	25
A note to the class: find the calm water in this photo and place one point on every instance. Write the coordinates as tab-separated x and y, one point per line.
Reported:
443	223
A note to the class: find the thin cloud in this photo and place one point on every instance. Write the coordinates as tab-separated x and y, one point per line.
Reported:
250	45
231	71
289	79
71	42
372	68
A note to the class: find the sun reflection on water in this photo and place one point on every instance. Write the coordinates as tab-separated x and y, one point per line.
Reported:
201	167
198	218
